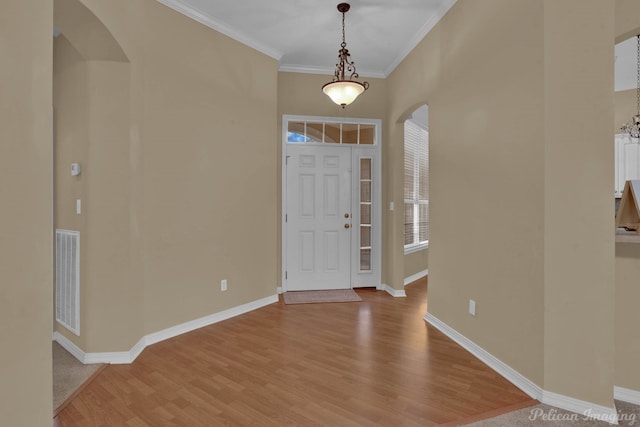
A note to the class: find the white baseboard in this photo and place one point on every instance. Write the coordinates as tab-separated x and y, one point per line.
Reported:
393	292
494	363
69	346
208	320
626	395
125	357
401	293
587	409
416	276
559	401
116	357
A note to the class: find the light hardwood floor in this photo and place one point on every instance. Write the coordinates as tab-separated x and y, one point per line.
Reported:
373	363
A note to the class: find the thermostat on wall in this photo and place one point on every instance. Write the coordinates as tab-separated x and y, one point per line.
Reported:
75	169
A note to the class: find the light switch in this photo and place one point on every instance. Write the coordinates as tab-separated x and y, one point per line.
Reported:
78	206
472	307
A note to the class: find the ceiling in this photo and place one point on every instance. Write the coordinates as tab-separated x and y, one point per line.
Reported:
305	35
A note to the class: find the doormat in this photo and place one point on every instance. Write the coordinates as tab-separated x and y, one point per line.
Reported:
313	297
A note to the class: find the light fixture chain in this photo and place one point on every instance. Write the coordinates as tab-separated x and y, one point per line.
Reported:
344	43
638	76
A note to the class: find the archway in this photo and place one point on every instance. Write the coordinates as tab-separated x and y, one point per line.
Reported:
91	97
416	194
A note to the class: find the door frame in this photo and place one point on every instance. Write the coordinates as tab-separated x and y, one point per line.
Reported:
358	278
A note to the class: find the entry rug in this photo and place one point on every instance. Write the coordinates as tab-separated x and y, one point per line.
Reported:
313	297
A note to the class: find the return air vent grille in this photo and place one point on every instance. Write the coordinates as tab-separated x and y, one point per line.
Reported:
68	279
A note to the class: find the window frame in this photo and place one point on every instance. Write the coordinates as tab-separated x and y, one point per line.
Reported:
372	131
418	245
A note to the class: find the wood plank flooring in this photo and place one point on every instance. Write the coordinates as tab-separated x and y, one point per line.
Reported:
370	363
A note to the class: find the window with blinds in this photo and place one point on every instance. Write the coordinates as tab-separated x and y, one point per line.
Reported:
416	186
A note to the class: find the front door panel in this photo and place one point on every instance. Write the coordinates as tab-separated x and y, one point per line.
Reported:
318	226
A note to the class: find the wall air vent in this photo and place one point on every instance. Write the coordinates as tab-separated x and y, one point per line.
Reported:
67	285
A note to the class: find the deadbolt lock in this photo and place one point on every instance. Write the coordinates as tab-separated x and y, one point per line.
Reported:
346	215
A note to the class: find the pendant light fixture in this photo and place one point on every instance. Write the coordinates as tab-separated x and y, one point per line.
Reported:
343	91
633	128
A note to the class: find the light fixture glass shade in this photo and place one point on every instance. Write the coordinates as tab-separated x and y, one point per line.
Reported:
343	92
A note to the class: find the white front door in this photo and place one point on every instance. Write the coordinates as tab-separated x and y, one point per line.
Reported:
331	203
318	222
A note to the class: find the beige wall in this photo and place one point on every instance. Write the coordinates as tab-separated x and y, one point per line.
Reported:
25	189
91	99
626	16
627	342
301	94
71	130
503	199
161	132
71	133
91	102
578	229
416	262
208	167
486	189
109	206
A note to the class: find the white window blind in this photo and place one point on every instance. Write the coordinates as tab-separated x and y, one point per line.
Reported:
416	185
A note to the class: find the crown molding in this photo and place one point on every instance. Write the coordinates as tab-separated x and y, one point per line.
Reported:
428	26
327	71
305	69
212	23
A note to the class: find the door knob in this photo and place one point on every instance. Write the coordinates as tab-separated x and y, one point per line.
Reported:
347	225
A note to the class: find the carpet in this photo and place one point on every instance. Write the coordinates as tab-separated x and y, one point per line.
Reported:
544	415
313	297
69	376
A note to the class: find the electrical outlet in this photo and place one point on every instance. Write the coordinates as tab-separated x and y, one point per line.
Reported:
472	307
223	285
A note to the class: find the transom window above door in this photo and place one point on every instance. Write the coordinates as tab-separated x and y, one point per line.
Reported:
327	132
